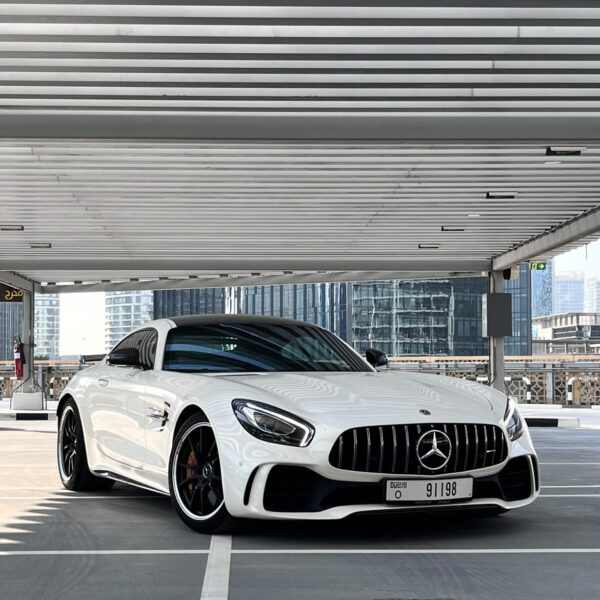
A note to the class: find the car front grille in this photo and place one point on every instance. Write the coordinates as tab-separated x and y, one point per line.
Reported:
393	448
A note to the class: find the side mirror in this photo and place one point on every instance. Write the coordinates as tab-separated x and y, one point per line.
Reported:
125	357
376	358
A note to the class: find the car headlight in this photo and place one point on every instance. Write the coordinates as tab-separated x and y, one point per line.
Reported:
272	424
513	420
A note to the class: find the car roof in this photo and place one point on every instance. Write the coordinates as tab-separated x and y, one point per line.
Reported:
191	320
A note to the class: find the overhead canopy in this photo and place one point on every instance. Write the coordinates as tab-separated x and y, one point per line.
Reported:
148	142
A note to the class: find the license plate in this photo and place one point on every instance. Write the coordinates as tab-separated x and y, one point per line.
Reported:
428	490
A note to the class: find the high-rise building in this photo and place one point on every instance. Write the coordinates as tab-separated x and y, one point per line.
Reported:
11	323
541	291
519	343
172	303
325	304
591	294
47	326
567	292
433	316
125	311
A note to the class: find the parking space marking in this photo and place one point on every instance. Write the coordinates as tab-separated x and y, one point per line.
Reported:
298	551
69	498
569	496
96	552
568	486
420	551
216	575
570	463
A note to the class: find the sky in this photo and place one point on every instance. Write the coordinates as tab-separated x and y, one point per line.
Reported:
82	323
82	315
585	259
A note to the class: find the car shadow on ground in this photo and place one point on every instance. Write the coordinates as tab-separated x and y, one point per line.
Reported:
127	517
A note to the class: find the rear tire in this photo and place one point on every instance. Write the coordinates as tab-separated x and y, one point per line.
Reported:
72	457
195	479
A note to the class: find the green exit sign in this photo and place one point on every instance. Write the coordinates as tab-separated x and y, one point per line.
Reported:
537	266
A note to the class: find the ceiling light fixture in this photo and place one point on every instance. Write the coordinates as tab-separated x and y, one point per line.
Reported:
500	195
473	215
11	228
552	163
428	247
40	245
564	150
452	228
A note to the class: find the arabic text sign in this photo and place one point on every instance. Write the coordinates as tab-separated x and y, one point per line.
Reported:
10	294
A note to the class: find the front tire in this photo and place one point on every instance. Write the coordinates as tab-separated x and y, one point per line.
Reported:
195	478
72	457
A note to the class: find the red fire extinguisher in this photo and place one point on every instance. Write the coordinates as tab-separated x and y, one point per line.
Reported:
19	357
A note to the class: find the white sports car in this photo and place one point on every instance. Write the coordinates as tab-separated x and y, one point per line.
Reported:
238	416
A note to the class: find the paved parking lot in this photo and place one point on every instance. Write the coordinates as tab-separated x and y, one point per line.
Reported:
130	544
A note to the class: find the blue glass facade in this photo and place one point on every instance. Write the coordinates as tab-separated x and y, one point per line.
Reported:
418	317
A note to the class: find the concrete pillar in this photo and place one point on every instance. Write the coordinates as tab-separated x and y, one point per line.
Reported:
496	344
28	396
28	344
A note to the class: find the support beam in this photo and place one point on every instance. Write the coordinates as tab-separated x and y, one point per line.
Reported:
573	230
496	344
17	281
222	282
249	265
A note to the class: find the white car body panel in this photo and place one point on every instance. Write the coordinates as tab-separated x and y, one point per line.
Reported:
126	438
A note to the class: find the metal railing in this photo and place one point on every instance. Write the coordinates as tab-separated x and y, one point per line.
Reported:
573	380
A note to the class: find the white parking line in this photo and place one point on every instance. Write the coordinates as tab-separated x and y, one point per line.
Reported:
95	552
216	576
568	486
570	463
422	551
567	448
569	496
305	551
28	465
74	497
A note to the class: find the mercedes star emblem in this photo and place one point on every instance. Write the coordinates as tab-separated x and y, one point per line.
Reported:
434	449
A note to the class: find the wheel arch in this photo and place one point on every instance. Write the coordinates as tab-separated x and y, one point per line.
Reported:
185	414
61	404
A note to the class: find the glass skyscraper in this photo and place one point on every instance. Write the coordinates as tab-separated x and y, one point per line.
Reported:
567	293
415	317
125	311
47	326
541	291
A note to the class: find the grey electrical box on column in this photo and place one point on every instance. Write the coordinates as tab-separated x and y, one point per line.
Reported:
496	317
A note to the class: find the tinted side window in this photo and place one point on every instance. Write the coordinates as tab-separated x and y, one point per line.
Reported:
144	342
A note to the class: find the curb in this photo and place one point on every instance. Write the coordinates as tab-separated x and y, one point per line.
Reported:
27	415
563	422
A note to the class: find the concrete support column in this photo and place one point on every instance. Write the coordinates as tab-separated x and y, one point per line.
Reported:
496	344
28	344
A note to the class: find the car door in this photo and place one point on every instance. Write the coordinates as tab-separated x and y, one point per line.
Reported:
118	403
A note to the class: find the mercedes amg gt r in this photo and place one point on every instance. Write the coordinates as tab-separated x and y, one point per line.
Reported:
240	416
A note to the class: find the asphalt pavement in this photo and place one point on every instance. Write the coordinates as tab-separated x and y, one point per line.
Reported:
130	544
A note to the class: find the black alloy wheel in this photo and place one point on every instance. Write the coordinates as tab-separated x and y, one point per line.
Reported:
195	478
71	454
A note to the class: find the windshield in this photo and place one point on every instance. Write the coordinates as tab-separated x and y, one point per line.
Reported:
234	348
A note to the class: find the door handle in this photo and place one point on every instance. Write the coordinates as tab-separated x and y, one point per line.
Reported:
103	381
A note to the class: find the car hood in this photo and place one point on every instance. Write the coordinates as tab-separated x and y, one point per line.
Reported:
373	398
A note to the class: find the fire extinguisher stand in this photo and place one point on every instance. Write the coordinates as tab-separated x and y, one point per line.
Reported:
25	396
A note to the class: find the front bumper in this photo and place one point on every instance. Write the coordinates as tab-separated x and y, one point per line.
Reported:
287	483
